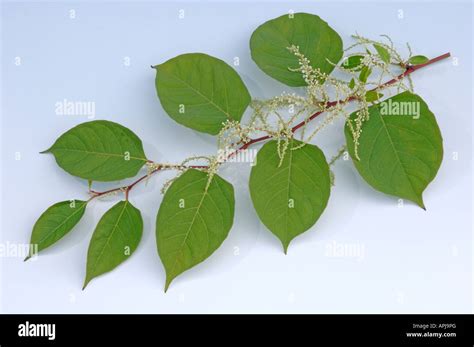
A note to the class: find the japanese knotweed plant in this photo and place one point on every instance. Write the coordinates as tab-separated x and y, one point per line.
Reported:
392	138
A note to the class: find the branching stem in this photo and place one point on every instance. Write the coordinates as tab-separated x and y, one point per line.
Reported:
126	189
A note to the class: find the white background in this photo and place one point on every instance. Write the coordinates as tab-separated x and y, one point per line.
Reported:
403	259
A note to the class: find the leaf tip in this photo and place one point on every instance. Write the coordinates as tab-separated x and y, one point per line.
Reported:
168	282
46	151
419	202
167	285
285	247
30	255
86	282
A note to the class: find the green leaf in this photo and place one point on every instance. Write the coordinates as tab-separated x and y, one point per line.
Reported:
418	60
99	151
353	62
372	95
352	83
400	147
201	92
316	40
194	219
115	238
383	53
364	74
290	198
54	223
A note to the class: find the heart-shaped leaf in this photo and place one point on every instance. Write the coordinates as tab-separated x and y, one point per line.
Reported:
194	219
115	238
54	223
99	151
289	198
400	147
316	40
201	92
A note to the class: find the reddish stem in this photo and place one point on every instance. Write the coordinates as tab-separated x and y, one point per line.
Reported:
127	189
409	70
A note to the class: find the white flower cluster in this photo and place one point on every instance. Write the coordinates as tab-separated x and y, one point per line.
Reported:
276	117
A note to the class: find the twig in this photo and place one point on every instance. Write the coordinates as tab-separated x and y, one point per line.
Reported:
409	70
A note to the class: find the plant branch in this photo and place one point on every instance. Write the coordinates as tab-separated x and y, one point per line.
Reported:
408	70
